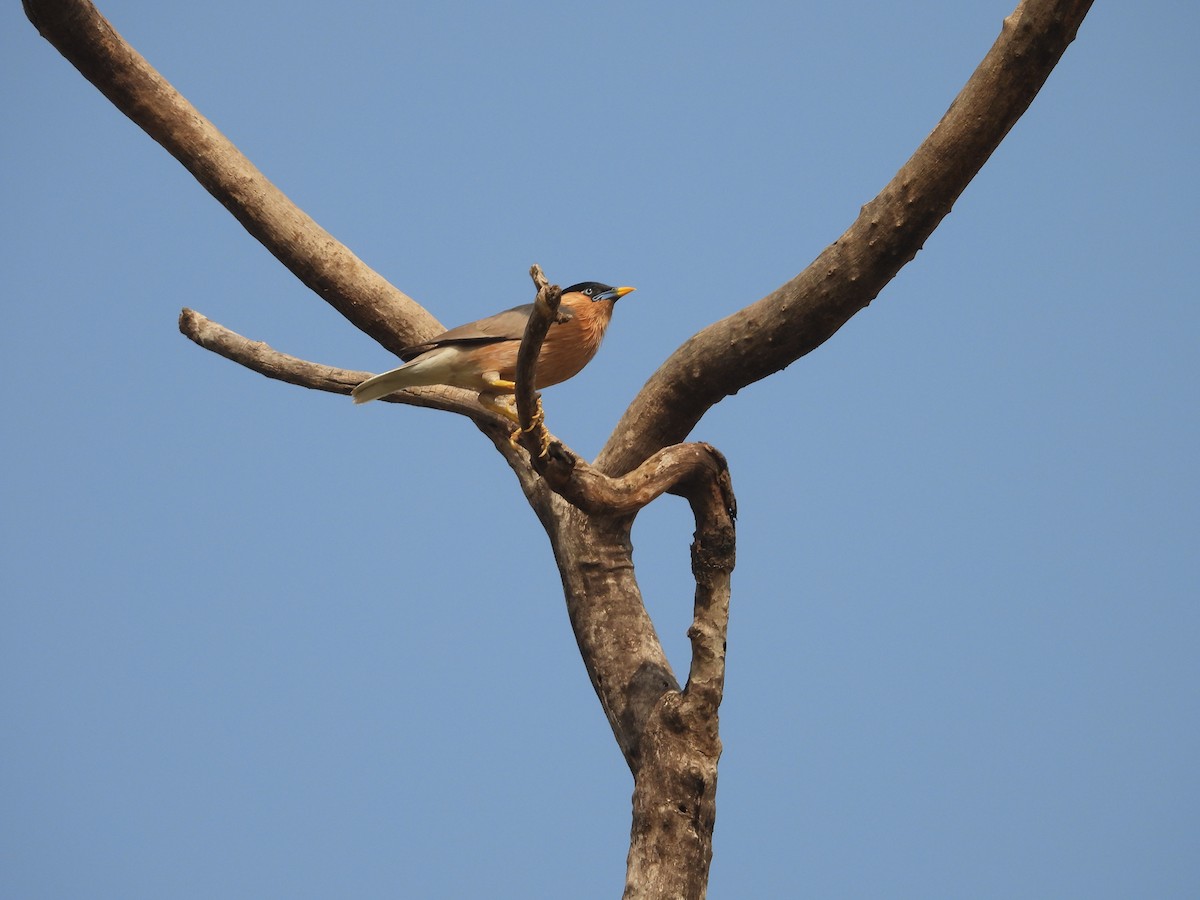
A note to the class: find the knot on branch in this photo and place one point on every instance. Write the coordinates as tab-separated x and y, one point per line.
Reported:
713	549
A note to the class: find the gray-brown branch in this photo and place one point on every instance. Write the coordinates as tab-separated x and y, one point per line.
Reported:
533	434
266	360
313	255
675	786
802	314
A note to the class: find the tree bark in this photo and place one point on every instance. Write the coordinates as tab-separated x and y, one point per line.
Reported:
799	316
668	734
329	268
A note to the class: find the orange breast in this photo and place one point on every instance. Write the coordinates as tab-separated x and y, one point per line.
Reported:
570	345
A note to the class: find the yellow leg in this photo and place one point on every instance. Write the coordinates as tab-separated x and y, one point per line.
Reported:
496	405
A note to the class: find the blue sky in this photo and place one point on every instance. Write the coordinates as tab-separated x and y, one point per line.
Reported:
257	642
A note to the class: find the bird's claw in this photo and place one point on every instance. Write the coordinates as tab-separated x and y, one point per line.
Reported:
538	417
535	421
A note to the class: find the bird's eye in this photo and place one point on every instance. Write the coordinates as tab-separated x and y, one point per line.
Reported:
588	291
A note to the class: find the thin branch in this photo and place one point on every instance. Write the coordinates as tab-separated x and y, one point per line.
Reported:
713	556
262	358
265	360
313	255
530	417
801	315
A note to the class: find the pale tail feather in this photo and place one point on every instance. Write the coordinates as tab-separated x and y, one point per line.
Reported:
387	383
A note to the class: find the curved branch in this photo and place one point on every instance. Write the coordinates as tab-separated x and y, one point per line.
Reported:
313	255
801	315
677	469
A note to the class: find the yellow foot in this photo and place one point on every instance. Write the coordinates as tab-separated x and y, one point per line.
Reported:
543	445
539	417
496	405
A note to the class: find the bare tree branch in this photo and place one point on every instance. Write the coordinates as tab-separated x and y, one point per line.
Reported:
713	554
264	359
530	417
802	314
671	470
675	789
313	255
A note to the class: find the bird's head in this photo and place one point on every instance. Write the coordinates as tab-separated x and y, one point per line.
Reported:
597	291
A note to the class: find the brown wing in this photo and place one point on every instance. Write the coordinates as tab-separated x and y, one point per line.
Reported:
505	326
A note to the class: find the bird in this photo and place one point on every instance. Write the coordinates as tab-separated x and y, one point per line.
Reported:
482	355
